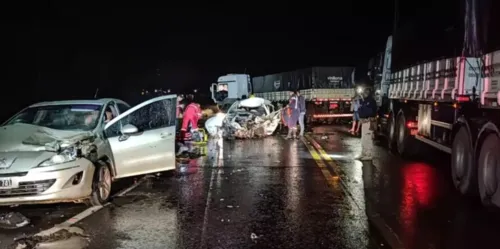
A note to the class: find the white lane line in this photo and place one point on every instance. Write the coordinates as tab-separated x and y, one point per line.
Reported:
219	161
89	211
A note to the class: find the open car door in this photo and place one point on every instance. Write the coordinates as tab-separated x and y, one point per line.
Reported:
142	139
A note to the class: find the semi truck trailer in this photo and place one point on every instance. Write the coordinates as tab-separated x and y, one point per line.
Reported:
450	102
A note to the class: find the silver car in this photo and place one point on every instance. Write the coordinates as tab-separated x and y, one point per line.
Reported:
72	151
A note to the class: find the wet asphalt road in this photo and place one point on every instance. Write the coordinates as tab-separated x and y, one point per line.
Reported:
274	193
415	198
251	199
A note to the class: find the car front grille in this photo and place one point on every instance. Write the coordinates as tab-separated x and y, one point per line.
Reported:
17	174
28	188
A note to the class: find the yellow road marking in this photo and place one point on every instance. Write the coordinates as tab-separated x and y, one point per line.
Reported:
324	155
331	180
390	236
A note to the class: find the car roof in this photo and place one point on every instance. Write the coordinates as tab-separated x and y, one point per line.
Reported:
79	102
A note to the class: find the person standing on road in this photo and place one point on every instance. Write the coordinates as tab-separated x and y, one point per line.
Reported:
355	115
367	112
302	114
293	106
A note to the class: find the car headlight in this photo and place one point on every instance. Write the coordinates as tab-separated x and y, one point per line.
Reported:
67	155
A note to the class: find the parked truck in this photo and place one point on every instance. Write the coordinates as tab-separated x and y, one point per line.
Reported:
450	103
327	90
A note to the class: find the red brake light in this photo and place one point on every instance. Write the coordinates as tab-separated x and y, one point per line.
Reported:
411	124
463	99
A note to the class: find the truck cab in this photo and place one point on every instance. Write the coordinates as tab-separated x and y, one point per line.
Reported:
231	87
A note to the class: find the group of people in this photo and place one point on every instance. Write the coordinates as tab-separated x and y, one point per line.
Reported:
294	114
364	108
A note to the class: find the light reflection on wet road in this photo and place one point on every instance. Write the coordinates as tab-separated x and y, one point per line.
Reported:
415	198
251	199
271	194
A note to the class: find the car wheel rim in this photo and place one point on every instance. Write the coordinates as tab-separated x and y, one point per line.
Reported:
489	173
104	183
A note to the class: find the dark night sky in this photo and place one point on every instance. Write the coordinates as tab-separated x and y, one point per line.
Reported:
63	52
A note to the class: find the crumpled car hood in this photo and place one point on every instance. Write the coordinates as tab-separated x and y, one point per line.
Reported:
26	137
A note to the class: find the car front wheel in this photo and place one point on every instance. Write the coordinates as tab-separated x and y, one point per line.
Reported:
101	185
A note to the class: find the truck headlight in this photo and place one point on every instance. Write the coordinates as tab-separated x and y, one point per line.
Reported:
67	155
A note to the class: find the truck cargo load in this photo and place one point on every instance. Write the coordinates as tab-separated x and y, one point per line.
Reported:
308	78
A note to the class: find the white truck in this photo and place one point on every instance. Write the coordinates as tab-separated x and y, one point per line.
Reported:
450	103
327	90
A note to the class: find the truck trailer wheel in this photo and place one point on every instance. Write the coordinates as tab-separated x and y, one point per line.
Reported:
489	171
407	145
391	139
463	170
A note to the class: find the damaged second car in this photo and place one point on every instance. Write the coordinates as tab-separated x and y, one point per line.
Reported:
248	118
72	151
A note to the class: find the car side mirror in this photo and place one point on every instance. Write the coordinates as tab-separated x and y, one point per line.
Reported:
129	129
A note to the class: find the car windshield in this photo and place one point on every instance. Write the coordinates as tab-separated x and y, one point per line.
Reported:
60	117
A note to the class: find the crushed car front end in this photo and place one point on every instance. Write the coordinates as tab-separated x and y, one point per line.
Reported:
41	165
65	182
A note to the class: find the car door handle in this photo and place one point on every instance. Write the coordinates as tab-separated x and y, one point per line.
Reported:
166	135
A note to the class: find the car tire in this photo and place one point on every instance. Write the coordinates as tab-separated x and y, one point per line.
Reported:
488	168
463	168
101	185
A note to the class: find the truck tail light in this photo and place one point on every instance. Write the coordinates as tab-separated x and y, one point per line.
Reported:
334	105
463	98
412	125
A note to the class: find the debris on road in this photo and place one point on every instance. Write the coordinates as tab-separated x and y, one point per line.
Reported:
65	238
254	237
13	220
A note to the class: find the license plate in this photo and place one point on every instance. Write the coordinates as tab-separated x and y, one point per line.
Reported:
7	183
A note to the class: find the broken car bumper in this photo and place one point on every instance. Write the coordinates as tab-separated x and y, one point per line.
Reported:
65	182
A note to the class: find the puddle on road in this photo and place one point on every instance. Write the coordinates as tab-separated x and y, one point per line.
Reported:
67	238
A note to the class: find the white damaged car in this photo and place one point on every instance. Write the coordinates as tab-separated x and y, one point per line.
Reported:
72	151
248	118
